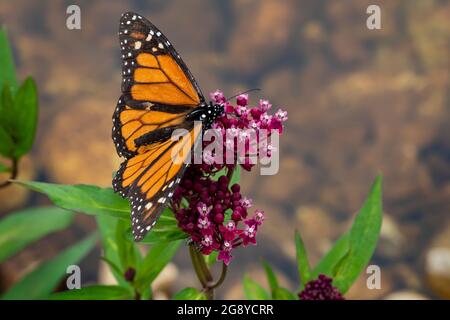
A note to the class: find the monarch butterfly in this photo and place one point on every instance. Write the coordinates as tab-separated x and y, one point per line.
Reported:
159	95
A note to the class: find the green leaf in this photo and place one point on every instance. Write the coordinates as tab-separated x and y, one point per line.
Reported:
127	249
271	278
7	116
328	264
95	292
104	202
107	226
40	282
8	74
25	117
363	237
7	146
165	230
283	294
189	294
236	175
253	290
156	259
304	271
112	266
19	229
6	143
87	199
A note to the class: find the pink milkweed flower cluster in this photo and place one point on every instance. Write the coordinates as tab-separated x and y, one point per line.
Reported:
207	205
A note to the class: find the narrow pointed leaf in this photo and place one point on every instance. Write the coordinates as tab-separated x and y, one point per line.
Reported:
40	282
19	229
95	292
304	271
253	290
157	258
189	294
87	199
363	237
25	117
8	74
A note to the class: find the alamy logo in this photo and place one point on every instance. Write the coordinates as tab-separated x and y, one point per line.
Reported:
373	21
374	278
73	21
74	279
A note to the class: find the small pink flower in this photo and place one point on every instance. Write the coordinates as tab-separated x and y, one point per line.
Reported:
281	115
225	256
207	241
242	111
231	225
246	202
203	209
249	235
264	105
259	217
217	96
265	119
203	223
242	100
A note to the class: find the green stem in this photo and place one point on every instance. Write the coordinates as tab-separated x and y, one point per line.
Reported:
14	172
230	174
194	253
223	274
204	274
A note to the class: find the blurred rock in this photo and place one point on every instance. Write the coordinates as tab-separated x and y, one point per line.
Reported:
406	275
318	230
86	127
262	30
105	275
405	295
437	269
391	241
165	280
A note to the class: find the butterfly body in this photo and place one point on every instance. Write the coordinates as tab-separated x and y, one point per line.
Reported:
206	113
159	96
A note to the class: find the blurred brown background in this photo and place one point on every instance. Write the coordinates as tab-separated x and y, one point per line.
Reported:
360	102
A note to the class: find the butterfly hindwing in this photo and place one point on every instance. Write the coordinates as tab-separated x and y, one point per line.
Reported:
149	179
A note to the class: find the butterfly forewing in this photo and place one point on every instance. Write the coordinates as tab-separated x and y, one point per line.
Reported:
152	71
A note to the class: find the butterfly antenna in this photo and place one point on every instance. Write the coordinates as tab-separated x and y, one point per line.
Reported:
250	90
